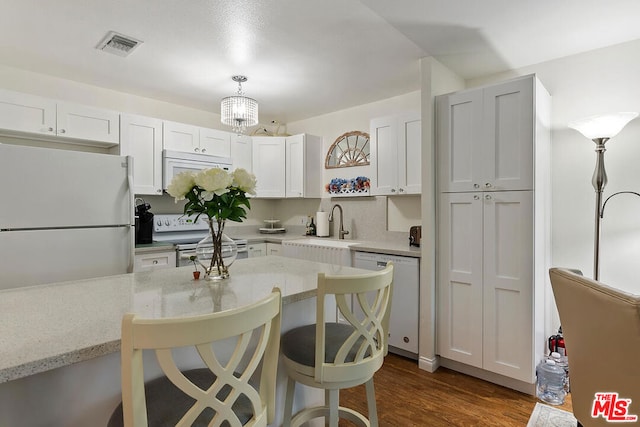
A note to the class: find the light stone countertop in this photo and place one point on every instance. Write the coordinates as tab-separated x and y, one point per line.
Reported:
49	326
387	246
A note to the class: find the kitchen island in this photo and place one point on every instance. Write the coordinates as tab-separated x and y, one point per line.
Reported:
59	343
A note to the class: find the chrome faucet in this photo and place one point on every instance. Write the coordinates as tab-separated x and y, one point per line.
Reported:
341	233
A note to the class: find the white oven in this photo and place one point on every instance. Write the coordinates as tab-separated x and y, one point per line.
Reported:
185	233
175	162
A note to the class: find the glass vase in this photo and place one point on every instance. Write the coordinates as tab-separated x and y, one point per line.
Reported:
216	252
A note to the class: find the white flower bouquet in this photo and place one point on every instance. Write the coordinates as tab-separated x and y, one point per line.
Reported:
220	196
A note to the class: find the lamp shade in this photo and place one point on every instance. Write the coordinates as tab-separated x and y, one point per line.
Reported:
604	126
239	111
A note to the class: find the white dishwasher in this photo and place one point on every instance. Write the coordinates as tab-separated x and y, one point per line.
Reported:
405	305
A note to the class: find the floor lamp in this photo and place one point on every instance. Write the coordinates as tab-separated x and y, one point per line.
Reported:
600	129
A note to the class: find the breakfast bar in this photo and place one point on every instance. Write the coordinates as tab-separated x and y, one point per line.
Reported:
59	343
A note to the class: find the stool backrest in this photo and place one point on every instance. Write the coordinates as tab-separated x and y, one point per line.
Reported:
256	329
364	301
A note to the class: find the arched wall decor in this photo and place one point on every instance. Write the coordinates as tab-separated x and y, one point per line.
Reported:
349	149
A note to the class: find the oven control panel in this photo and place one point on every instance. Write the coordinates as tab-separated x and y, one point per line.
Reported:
163	223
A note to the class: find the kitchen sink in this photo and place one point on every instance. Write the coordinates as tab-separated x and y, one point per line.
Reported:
331	251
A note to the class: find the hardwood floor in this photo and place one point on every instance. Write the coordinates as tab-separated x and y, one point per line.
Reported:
408	396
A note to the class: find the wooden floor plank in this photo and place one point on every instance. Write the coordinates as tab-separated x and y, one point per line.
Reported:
408	396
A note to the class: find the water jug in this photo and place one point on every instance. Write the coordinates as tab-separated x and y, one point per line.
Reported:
550	384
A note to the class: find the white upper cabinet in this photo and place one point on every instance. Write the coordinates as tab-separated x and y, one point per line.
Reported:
269	165
288	166
141	138
241	154
303	174
396	155
195	139
27	113
56	120
88	123
486	138
215	142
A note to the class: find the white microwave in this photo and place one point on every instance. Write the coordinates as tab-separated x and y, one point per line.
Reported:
174	162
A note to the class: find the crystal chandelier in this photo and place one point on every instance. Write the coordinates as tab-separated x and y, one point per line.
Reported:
239	111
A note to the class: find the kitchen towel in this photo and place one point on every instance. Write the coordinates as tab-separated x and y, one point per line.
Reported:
322	224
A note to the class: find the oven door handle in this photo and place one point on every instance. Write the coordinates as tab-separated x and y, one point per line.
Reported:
187	254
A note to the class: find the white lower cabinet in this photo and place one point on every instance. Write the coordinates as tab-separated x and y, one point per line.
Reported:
405	310
257	249
486	281
154	260
274	249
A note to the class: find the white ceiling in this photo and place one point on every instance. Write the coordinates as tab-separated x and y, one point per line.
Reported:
303	58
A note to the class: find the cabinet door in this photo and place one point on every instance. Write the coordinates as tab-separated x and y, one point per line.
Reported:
27	113
295	166
141	138
180	137
460	278
269	166
241	152
256	250
384	155
508	284
215	142
88	123
410	154
460	145
274	249
508	134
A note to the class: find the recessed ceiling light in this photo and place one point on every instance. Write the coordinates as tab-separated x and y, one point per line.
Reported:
118	44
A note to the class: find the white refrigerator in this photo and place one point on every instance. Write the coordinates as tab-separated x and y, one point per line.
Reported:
64	215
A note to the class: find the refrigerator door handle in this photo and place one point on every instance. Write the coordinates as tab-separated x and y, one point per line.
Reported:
132	212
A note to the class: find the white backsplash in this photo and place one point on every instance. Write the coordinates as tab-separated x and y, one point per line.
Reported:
366	218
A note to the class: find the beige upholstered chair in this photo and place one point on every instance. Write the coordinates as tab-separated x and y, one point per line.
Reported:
206	396
601	328
334	355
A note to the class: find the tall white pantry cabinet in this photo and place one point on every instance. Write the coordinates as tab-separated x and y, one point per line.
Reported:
493	150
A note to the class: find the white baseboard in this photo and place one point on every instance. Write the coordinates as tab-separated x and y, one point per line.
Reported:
511	383
429	364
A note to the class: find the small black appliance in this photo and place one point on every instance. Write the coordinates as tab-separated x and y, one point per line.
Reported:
143	222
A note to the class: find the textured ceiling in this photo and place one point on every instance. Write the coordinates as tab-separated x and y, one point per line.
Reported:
303	58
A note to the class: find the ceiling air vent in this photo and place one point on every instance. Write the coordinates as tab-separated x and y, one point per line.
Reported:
118	44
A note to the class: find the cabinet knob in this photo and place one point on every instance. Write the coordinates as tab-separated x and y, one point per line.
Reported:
476	197
487	185
487	197
62	131
196	149
159	191
155	261
50	129
401	190
406	339
393	190
204	150
476	185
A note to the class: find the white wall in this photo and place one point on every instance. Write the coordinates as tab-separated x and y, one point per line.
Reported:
401	214
596	82
436	80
